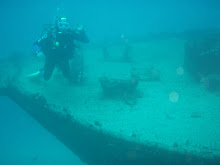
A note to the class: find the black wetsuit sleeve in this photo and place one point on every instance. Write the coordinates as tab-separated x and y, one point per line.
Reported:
80	36
43	39
40	44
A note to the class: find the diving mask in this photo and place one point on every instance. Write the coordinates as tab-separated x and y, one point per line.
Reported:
63	24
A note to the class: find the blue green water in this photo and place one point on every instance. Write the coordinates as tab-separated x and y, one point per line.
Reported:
103	20
23	141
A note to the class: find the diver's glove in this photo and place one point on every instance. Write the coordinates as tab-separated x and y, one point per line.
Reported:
36	48
80	29
37	51
40	54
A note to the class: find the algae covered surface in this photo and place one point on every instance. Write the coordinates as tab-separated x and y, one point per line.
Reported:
174	113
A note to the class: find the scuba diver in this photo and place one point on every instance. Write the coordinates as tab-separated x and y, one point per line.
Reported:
58	45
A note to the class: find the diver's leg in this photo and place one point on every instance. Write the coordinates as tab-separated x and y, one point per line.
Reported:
65	67
48	68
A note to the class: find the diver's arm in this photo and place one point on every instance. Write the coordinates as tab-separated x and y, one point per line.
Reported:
80	35
38	45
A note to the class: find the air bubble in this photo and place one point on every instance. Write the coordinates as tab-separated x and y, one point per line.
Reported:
180	71
173	97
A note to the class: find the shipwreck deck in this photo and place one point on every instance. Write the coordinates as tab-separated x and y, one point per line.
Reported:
174	121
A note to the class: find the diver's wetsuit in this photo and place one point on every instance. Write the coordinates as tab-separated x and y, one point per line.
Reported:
58	49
